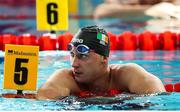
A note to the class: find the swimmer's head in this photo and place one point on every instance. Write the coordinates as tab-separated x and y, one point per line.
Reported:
91	38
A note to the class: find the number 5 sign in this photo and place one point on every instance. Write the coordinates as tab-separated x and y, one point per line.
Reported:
52	14
20	67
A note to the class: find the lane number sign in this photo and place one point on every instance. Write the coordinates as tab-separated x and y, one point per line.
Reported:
52	14
20	67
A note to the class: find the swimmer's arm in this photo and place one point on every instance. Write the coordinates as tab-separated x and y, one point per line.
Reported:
58	85
119	10
140	81
49	92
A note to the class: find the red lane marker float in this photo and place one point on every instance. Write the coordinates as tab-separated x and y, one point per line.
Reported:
63	40
26	95
177	87
27	39
169	87
179	41
7	39
46	42
113	39
148	41
127	41
172	87
168	41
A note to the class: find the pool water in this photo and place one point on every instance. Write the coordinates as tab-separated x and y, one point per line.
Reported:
164	64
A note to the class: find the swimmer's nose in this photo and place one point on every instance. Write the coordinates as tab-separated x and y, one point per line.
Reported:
75	62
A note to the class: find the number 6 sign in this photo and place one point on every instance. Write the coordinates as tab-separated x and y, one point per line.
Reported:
20	67
52	14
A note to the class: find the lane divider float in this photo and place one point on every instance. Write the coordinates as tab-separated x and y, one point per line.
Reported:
127	40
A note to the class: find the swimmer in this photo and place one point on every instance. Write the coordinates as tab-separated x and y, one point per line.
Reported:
126	8
89	52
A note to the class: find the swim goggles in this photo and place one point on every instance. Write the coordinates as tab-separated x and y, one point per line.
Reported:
81	48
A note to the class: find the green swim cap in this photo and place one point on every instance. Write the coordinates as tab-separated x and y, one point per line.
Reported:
95	38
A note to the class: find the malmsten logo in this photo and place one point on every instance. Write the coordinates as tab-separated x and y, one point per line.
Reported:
10	52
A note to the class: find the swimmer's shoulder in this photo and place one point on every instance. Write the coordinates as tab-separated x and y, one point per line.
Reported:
118	70
117	67
130	72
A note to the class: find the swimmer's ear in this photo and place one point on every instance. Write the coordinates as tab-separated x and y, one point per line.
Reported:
104	59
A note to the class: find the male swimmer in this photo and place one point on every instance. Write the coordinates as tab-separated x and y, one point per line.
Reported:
89	52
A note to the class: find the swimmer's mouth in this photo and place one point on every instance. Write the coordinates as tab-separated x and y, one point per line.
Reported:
77	73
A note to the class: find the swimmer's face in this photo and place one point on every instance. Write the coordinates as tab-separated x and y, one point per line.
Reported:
86	67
